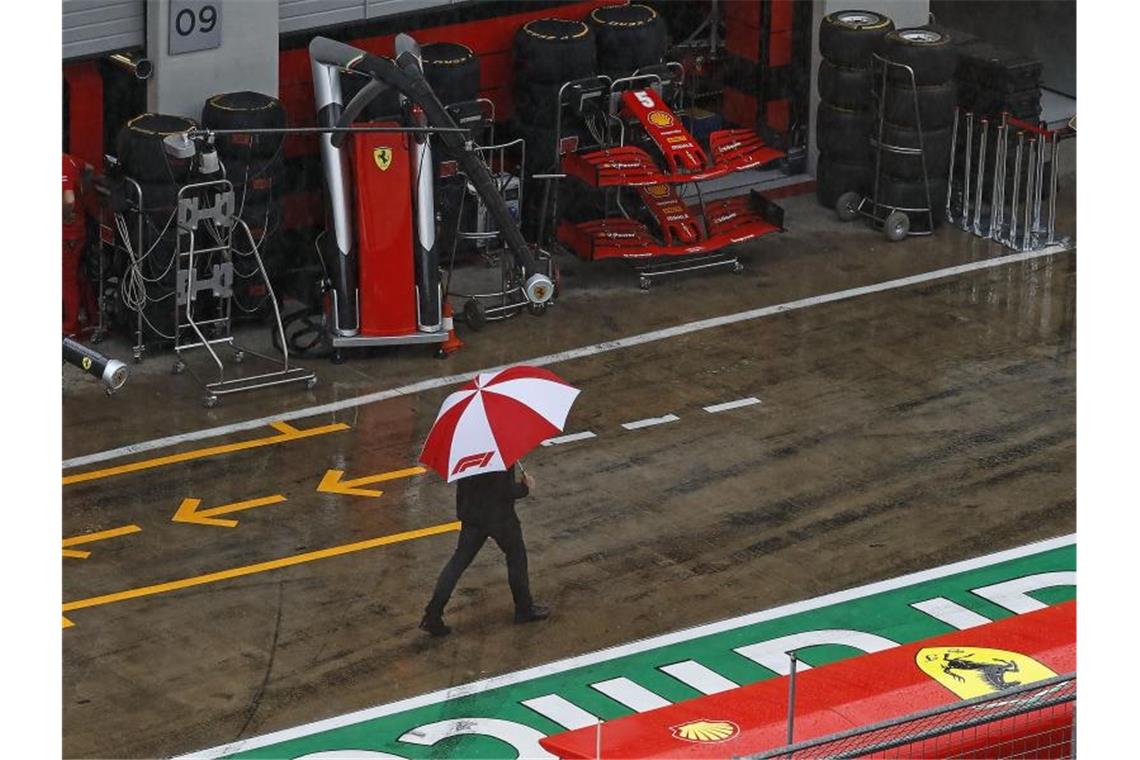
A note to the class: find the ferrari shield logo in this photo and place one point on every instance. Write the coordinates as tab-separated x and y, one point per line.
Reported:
383	157
974	671
706	730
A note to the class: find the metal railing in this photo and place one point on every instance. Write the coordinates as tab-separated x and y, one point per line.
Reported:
1036	720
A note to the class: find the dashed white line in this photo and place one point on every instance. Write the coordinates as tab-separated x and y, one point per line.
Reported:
951	613
692	673
641	339
570	438
561	711
732	405
632	695
649	422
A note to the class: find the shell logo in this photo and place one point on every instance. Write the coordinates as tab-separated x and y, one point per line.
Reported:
704	730
657	191
661	118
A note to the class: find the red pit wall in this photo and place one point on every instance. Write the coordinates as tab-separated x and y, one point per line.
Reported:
837	697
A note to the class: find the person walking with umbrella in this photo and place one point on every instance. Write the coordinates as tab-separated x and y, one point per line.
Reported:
480	433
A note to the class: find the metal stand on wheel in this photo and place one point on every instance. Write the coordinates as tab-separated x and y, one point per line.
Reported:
893	221
204	291
507	165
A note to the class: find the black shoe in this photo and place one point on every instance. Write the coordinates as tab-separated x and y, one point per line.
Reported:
532	613
434	626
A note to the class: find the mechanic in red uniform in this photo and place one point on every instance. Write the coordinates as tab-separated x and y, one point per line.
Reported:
74	241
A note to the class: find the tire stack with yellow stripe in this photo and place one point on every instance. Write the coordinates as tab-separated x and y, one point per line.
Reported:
548	52
629	36
844	119
254	164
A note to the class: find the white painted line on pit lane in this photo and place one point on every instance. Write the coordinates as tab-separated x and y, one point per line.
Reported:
563	356
951	613
650	422
561	711
727	405
1014	595
632	695
706	681
569	438
613	653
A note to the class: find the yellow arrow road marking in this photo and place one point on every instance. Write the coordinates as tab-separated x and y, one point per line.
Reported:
332	483
188	511
260	567
88	538
286	433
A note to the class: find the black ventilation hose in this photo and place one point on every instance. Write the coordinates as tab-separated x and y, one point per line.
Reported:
404	75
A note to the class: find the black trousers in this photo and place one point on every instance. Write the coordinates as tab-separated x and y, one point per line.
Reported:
508	535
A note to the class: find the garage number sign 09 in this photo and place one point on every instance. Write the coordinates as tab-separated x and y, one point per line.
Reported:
195	25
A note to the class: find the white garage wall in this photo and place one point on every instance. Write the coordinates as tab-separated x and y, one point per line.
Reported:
905	13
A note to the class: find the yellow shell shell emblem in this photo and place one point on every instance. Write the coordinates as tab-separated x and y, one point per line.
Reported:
657	191
86	362
706	730
383	158
661	118
974	671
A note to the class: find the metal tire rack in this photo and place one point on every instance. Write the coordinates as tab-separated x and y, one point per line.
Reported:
210	205
206	205
1020	222
893	221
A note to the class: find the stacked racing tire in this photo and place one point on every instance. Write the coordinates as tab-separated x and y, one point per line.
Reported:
629	37
548	52
918	115
254	164
452	70
847	40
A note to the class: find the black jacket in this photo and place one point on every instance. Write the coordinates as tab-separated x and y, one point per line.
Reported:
489	499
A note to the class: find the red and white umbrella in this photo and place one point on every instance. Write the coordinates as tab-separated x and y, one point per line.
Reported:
496	418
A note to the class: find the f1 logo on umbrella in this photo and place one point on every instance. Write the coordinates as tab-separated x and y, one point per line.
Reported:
508	411
472	460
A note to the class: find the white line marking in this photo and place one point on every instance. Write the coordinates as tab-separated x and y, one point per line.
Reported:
613	653
649	422
706	681
630	694
1013	595
568	438
561	711
951	613
773	653
727	405
563	356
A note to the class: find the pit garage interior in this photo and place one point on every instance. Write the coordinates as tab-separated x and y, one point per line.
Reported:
811	265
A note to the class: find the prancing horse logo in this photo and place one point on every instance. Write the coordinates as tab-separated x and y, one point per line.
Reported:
974	671
472	460
383	157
